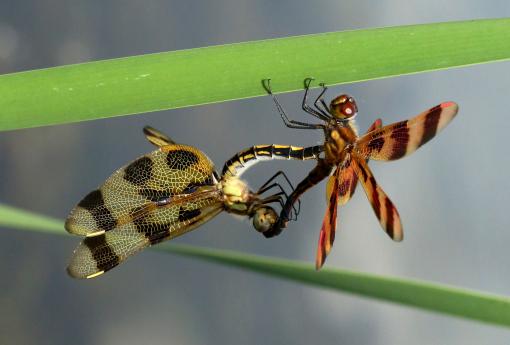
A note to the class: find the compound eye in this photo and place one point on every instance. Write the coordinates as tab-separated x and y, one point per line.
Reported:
264	218
344	107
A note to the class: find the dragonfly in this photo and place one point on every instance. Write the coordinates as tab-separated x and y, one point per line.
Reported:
346	156
169	192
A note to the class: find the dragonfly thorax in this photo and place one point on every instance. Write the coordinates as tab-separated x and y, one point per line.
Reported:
236	194
338	141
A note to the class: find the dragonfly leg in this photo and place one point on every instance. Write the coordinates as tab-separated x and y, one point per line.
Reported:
319	173
267	186
319	113
321	99
266	83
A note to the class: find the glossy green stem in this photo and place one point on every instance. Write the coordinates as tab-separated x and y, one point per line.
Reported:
439	298
184	78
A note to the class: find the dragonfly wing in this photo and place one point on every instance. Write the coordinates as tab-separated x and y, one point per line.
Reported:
348	178
159	175
98	254
159	196
384	209
156	137
328	228
403	138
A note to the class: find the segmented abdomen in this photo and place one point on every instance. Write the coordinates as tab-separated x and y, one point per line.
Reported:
241	161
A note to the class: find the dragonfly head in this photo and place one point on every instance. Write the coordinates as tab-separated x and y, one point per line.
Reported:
343	107
264	218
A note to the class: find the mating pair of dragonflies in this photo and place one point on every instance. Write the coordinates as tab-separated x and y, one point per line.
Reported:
175	188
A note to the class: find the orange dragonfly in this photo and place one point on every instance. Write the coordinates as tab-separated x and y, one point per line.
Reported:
346	156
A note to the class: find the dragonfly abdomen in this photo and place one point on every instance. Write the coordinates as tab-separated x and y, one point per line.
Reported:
238	164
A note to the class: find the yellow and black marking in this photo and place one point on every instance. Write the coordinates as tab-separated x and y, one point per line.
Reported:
162	195
239	163
133	208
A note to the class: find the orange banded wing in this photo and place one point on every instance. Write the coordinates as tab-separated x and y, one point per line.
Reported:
328	228
384	209
99	254
346	183
348	179
376	125
159	175
403	138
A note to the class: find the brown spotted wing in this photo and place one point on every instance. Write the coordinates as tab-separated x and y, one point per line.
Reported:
166	193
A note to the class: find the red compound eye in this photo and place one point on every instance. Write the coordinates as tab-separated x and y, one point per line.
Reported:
343	107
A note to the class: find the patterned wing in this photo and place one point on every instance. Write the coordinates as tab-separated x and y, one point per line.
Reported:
98	254
159	175
384	209
143	203
348	179
328	228
403	138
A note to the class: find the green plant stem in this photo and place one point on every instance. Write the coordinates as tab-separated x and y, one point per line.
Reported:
213	74
434	297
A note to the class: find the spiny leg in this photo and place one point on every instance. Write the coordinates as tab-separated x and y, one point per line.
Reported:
282	192
266	83
262	189
304	105
320	172
274	198
321	100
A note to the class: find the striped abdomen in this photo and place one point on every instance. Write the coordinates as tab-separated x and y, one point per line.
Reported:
241	161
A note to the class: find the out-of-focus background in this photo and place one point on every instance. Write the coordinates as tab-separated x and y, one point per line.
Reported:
452	194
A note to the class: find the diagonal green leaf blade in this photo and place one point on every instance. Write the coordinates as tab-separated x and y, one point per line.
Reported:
20	219
214	74
434	297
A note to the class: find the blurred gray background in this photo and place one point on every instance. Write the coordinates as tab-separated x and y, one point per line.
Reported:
452	194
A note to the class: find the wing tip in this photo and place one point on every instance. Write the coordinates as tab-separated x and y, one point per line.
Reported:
449	104
321	252
452	107
77	274
320	260
398	236
73	228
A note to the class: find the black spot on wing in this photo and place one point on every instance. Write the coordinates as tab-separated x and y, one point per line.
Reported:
376	144
400	136
376	205
103	255
94	203
181	159
344	187
154	195
92	200
389	218
154	232
139	172
192	186
431	123
187	214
